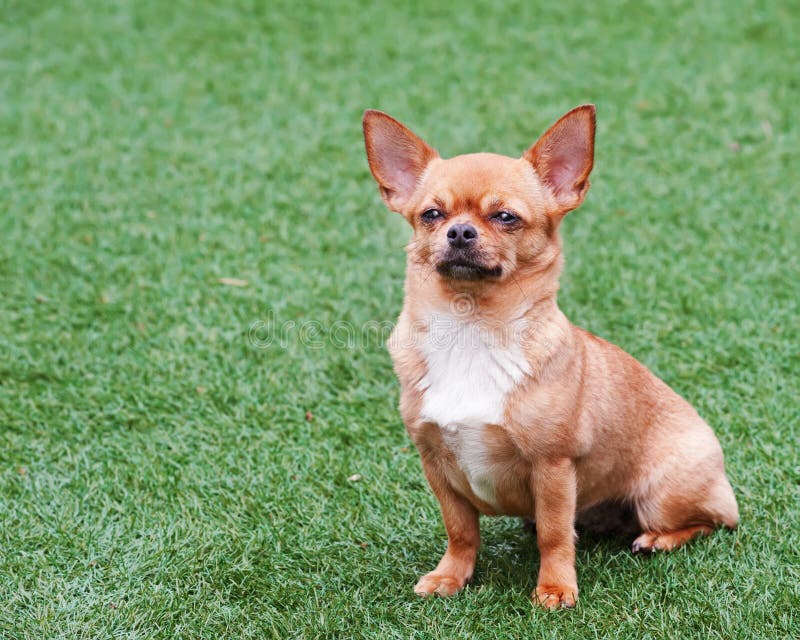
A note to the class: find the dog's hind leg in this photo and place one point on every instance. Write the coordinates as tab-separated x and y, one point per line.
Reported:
651	541
688	496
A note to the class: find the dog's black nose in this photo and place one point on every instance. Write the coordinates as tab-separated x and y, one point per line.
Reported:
461	235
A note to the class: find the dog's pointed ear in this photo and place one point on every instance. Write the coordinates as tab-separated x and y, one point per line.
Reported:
564	155
397	157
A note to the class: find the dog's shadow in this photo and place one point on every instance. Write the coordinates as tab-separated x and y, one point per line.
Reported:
509	557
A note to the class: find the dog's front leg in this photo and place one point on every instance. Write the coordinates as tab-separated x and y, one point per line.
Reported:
463	537
554	489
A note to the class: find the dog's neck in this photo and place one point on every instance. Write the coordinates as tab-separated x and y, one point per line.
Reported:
503	331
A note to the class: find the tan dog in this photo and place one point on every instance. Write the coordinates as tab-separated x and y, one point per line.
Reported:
514	410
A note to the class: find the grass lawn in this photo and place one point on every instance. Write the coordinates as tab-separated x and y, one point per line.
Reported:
159	476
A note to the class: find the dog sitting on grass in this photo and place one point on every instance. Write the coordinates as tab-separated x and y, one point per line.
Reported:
515	411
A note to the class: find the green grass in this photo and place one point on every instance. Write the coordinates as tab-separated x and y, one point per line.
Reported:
158	477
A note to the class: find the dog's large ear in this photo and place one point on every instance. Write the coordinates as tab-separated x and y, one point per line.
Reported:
397	157
564	155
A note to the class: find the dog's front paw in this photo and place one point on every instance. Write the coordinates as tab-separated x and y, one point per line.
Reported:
439	584
556	596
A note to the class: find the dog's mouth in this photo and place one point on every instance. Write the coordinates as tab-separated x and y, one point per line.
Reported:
467	268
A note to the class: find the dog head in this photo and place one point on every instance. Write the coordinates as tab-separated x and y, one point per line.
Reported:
482	217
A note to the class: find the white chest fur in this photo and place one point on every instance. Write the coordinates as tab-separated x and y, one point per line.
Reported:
470	371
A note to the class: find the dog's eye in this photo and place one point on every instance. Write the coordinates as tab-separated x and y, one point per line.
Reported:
430	215
506	217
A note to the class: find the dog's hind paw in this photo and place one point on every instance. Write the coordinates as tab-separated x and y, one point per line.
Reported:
651	541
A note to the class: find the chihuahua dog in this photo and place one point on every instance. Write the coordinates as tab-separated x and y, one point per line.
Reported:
515	411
